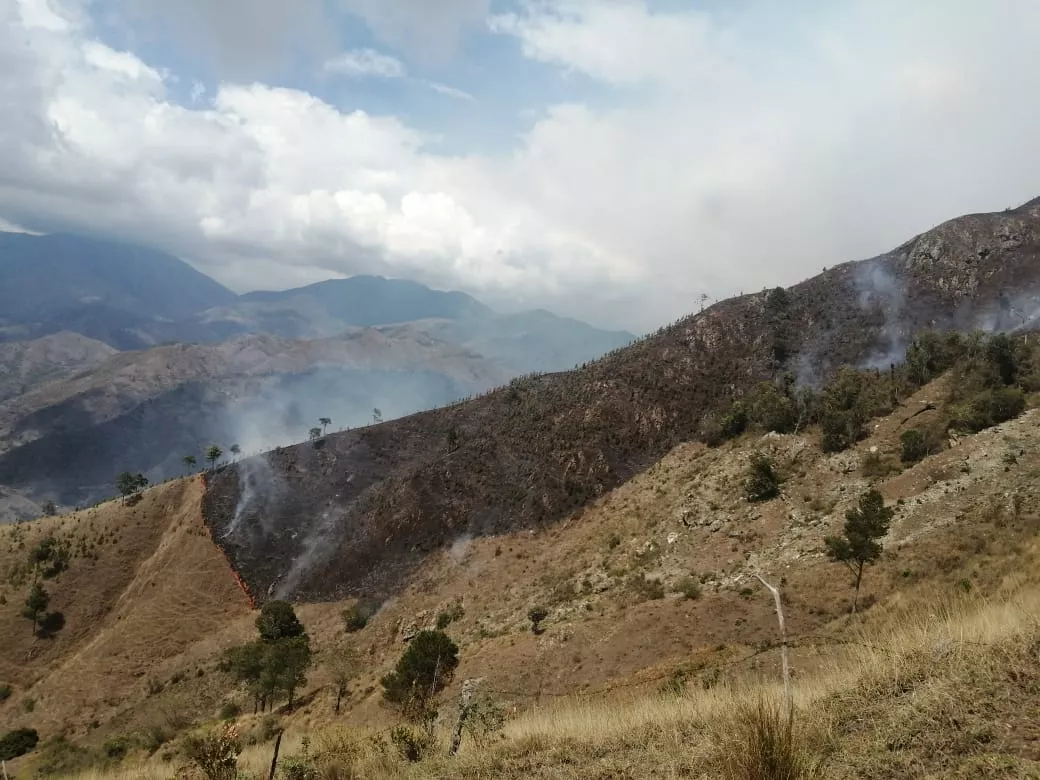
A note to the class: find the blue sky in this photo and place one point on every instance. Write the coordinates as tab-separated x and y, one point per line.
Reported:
608	159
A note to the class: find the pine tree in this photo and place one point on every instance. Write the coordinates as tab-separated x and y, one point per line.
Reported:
860	545
35	605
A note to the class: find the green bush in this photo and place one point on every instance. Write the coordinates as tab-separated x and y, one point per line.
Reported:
422	671
5	692
117	747
989	408
690	588
536	615
354	618
230	710
914	446
762	482
646	588
18	743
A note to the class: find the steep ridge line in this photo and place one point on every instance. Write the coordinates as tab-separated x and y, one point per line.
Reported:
209	534
356	512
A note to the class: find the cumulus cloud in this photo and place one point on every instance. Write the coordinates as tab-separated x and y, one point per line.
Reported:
743	150
358	63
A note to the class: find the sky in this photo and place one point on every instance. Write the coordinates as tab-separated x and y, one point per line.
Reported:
612	160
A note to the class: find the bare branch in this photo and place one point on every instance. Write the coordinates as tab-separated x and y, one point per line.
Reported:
788	696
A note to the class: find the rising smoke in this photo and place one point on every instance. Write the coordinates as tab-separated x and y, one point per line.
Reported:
883	291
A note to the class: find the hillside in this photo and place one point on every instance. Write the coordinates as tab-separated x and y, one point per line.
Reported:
524	341
366	507
58	357
100	289
966	524
143	411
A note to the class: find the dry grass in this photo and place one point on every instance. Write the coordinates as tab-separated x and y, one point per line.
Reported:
950	692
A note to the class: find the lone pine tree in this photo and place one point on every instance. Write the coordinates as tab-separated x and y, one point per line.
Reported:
860	544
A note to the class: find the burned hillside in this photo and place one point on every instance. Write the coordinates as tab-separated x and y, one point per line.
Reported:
353	513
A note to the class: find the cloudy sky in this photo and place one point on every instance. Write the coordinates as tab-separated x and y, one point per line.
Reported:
608	159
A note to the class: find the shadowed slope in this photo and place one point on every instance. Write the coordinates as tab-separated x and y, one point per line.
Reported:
355	512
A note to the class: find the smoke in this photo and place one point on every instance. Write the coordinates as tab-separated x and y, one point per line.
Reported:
284	408
879	289
317	546
1011	314
460	548
258	486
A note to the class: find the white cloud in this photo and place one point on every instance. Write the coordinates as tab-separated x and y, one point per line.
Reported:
749	149
617	41
10	227
358	63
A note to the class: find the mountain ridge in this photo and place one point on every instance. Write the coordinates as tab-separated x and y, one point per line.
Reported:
531	453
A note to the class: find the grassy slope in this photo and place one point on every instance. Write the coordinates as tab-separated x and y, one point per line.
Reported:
158	587
957	528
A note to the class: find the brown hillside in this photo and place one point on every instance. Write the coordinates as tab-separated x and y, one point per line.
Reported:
966	525
144	584
355	513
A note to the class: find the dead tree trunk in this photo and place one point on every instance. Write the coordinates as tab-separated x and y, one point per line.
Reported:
274	760
788	695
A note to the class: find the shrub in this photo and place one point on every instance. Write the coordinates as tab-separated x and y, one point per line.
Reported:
875	466
646	588
762	482
759	743
230	710
988	408
277	620
914	446
153	738
536	615
413	744
18	743
117	747
422	671
486	718
690	588
5	692
216	753
354	618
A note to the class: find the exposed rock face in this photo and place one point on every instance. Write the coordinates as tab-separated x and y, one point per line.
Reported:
356	512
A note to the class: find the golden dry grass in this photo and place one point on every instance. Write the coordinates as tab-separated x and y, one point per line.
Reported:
951	692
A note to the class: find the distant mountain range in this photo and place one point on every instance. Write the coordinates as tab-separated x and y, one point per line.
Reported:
116	358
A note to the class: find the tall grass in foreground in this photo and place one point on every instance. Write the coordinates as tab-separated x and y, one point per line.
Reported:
733	731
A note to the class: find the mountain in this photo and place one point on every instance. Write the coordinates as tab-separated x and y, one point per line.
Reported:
26	364
529	455
65	439
615	501
103	290
657	633
71	410
525	341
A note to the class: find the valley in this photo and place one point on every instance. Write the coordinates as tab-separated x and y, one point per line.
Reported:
592	540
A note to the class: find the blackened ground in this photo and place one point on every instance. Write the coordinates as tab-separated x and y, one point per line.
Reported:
354	513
